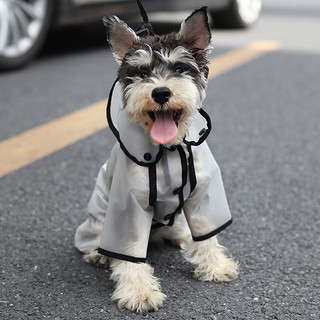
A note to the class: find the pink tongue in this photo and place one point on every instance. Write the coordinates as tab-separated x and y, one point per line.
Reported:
164	129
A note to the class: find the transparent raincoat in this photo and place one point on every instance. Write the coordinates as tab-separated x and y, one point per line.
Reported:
143	186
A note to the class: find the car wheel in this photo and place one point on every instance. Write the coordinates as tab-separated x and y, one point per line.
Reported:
23	28
239	14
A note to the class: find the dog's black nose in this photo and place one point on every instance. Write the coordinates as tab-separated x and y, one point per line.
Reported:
161	95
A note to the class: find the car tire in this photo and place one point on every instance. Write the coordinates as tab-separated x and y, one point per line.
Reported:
239	14
24	26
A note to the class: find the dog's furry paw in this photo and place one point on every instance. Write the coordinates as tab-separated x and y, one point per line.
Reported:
95	258
150	299
137	289
210	262
222	270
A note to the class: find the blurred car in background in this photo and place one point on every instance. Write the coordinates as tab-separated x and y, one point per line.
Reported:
24	24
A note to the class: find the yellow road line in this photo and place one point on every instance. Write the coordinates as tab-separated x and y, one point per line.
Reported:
238	57
41	141
34	144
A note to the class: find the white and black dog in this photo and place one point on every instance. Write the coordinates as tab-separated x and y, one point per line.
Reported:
161	180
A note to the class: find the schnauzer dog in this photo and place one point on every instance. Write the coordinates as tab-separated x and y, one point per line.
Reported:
161	180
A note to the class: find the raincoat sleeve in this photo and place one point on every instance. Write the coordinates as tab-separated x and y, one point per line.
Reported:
129	216
88	234
207	209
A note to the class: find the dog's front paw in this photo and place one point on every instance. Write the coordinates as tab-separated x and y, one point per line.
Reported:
222	269
95	258
137	289
209	261
148	299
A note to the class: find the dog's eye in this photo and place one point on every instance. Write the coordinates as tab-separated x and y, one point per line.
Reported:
144	75
181	68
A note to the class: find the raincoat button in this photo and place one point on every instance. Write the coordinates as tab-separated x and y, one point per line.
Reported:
147	156
176	191
202	131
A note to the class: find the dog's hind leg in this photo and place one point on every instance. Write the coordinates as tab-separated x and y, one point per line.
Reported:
178	233
137	289
209	260
87	240
96	258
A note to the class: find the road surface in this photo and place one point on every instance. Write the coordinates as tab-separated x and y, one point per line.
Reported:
265	114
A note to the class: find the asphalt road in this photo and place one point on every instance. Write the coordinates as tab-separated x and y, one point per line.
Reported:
265	138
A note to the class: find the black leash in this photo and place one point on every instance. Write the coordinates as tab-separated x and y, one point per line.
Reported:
145	29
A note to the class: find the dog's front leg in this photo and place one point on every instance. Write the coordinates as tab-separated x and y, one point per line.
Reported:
137	289
209	260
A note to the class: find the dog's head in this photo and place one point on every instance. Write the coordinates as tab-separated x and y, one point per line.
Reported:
163	78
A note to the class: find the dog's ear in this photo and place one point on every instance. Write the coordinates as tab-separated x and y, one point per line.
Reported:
196	30
120	36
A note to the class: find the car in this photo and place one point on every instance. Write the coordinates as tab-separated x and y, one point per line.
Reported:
25	24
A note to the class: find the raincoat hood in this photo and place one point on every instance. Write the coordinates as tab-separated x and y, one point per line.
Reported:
132	138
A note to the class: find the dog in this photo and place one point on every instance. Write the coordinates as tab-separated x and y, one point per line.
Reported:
161	180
